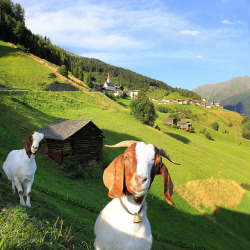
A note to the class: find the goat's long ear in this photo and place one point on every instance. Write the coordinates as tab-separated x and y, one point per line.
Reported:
44	149
113	177
27	144
168	187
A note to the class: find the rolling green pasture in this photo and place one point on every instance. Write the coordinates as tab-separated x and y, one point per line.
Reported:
78	201
18	71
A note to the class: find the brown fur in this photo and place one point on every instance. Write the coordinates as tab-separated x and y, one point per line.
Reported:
27	142
122	171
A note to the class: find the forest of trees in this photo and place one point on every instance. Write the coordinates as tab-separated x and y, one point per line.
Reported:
13	29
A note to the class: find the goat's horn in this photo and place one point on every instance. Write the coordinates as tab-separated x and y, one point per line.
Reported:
121	144
164	154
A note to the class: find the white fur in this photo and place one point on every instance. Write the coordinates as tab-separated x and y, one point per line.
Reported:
37	137
21	169
145	155
114	227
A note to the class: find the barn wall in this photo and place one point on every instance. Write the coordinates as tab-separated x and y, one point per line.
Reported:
55	150
85	145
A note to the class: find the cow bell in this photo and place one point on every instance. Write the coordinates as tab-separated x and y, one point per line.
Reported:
137	219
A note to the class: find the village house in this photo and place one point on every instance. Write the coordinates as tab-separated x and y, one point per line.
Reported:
133	93
79	138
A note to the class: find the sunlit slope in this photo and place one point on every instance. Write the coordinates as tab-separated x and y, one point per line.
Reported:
200	159
26	71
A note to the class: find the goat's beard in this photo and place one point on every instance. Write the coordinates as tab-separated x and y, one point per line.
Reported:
138	192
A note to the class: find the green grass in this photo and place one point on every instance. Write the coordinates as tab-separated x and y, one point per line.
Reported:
79	201
15	71
179	226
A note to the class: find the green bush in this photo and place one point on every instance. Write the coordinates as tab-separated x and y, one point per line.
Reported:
143	110
110	95
246	134
206	133
191	129
163	109
215	126
63	70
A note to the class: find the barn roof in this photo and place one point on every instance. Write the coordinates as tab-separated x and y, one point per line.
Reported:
61	129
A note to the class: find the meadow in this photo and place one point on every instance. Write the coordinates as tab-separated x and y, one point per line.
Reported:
204	164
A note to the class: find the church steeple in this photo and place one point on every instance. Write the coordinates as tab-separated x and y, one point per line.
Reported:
108	79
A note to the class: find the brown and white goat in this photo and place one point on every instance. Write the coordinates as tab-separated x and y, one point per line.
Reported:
123	223
20	165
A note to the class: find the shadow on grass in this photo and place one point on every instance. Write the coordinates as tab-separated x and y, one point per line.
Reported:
6	51
179	137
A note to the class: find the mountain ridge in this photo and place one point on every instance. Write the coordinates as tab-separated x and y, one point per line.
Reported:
218	92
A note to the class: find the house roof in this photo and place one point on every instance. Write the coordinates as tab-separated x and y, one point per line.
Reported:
61	129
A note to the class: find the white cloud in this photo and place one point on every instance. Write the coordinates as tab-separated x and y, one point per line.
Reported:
199	57
190	32
226	22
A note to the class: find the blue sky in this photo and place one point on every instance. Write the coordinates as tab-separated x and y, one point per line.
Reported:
184	43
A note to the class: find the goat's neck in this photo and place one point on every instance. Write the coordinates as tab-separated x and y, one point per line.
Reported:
29	158
132	203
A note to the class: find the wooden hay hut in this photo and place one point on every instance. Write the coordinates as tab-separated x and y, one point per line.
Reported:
184	125
81	138
170	121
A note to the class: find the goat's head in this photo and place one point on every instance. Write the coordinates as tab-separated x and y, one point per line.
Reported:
133	171
33	142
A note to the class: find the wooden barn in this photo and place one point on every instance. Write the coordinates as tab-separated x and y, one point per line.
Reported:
184	125
170	121
81	138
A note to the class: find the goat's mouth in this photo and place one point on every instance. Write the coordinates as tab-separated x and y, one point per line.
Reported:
138	191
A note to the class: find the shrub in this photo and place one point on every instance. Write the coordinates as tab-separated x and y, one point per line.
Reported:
206	133
63	70
191	129
245	118
215	126
110	95
163	109
143	110
246	134
157	127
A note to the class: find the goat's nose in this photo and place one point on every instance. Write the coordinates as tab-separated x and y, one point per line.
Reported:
140	180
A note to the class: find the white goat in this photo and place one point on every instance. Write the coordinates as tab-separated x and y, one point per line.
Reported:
20	165
123	223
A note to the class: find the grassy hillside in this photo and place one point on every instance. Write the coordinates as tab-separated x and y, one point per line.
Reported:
221	91
20	70
216	167
183	225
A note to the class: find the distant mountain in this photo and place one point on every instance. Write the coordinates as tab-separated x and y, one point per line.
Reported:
239	103
221	91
